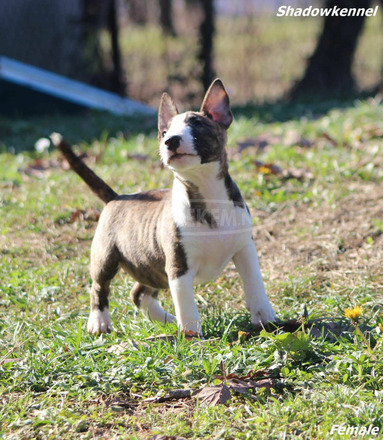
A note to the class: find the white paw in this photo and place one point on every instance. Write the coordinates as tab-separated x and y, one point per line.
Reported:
99	322
151	307
192	329
262	313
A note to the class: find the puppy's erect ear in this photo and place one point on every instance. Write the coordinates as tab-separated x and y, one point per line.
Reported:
167	110
216	104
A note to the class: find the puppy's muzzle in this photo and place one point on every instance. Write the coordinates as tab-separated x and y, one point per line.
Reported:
173	143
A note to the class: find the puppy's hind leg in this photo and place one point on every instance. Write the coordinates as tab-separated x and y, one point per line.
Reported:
145	299
102	272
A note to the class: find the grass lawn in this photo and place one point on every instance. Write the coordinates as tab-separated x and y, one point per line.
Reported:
312	179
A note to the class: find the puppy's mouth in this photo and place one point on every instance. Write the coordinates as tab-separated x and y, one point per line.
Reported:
176	156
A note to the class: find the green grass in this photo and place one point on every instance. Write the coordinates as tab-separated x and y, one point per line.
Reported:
319	239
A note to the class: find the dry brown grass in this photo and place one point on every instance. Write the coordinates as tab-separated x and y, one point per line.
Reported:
336	246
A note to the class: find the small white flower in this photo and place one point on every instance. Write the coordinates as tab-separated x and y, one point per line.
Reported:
42	144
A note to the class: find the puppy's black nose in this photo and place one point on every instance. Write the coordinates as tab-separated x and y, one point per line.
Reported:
173	143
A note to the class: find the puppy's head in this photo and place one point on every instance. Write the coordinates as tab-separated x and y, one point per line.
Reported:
193	138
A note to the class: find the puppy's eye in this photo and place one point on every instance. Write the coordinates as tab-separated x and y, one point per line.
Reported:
196	122
163	133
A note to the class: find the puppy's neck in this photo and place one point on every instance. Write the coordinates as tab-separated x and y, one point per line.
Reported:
206	182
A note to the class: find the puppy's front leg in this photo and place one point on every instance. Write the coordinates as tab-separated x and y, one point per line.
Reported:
256	300
187	314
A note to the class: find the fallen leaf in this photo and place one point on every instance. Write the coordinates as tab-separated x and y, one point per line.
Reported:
298	173
75	215
267	168
254	145
292	138
263	383
138	157
258	373
245	386
92	215
10	361
250	375
162	338
291	173
168	359
215	395
329	139
260	142
195	337
239	386
166	437
39	166
123	347
171	395
123	403
304	142
373	130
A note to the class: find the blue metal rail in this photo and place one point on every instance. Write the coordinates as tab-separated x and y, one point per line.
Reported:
67	89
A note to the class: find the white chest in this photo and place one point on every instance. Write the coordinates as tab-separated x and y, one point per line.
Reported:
209	250
209	247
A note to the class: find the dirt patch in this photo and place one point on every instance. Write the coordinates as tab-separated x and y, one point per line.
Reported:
330	241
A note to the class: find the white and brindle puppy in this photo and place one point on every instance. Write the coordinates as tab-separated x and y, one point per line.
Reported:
180	237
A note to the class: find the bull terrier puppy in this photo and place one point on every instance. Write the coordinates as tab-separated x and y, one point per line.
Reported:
175	238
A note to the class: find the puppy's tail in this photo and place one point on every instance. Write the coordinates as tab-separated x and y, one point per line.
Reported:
97	185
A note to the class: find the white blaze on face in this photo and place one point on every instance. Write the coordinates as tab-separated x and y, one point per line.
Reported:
179	128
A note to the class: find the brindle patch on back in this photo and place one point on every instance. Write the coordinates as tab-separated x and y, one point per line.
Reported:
145	241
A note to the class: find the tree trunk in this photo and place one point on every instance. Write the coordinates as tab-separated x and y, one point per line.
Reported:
138	11
118	83
330	67
93	20
166	17
46	34
207	30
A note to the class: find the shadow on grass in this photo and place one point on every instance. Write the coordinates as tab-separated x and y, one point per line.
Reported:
21	133
240	328
310	107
